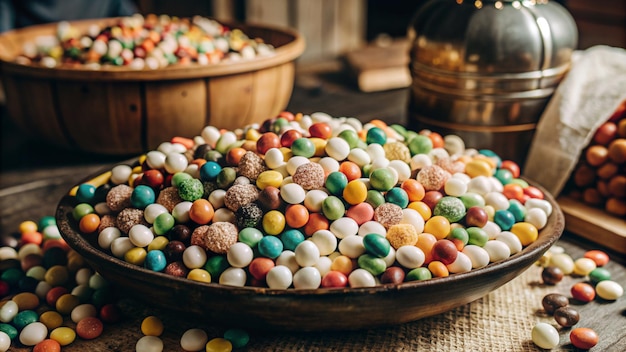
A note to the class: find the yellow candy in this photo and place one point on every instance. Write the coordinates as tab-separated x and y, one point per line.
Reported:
57	275
438	226
526	232
421	208
355	192
63	335
159	242
152	326
273	222
253	134
66	303
343	264
320	146
51	319
28	226
269	178
136	256
96	182
199	275
478	167
287	154
219	344
402	235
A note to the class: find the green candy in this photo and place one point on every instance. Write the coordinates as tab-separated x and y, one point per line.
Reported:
401	130
237	337
517	209
471	199
45	222
373	264
374	198
180	177
504	176
24	318
452	208
303	147
420	144
376	245
226	177
9	330
599	274
382	179
81	210
333	208
418	274
163	223
459	233
216	265
12	276
335	182
376	135
350	136
190	189
397	196
278	124
250	236
477	236
520	182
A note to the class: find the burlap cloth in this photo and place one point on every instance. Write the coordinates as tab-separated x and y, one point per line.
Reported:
500	321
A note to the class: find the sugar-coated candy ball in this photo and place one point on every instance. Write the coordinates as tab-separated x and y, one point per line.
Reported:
451	208
545	336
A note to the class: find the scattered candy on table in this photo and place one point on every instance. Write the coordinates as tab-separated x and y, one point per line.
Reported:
141	43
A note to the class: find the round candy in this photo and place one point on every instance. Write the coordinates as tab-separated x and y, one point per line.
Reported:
451	208
583	338
545	336
382	179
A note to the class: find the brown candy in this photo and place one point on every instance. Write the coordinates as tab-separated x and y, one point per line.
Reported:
552	275
553	301
566	316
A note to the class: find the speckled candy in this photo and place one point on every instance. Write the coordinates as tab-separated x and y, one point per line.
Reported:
451	208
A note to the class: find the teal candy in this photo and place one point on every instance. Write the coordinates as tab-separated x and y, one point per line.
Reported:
250	236
420	144
237	337
452	208
477	236
376	135
209	171
376	245
45	222
517	209
9	330
504	218
11	276
335	182
382	179
163	223
216	265
418	274
291	239
24	318
85	193
373	264
303	147
81	210
504	176
155	260
333	208
397	196
142	196
350	136
270	246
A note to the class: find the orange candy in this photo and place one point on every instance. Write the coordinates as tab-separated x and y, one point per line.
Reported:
32	237
513	191
47	345
437	139
351	170
233	156
512	167
89	328
361	213
425	242
259	267
421	208
413	189
296	215
187	142
201	211
438	269
317	221
89	223
321	130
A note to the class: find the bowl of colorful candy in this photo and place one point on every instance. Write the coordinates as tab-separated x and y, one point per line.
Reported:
120	86
309	222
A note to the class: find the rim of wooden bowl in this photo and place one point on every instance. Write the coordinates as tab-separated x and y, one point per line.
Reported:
529	254
288	48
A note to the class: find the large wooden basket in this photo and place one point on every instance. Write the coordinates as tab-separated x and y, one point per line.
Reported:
121	111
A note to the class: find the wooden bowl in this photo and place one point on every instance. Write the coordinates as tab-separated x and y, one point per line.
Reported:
119	111
305	310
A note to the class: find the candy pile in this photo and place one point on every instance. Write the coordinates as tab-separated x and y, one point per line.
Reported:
600	176
556	264
312	201
49	298
144	43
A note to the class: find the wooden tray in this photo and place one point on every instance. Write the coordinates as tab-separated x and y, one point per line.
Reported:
594	224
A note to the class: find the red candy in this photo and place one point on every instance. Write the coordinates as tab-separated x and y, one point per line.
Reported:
89	328
583	338
321	130
598	256
334	279
583	292
287	138
267	141
445	251
110	313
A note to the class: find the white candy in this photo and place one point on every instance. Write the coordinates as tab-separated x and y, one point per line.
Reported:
224	215
175	162
372	227
325	241
391	257
210	134
152	211
497	250
492	229
274	158
462	176
140	235
5	342
292	193
352	246
7	253
497	200
539	203
120	174
402	169
307	278
82	276
120	246
27	249
100	208
216	198
545	336
410	257
42	289
149	344
279	277
323	265
480	185
511	240
314	199
564	262
329	164
477	255
337	148
33	334
294	162
609	290
83	311
376	151
537	217
288	259
453	144
361	278
455	187
225	141
194	339
181	212
194	257
233	277
359	157
155	159
461	264
239	255
8	311
307	253
413	217
420	161
344	227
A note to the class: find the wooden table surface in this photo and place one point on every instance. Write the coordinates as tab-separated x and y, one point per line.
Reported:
34	176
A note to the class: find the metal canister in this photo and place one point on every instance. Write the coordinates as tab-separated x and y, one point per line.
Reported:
485	70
